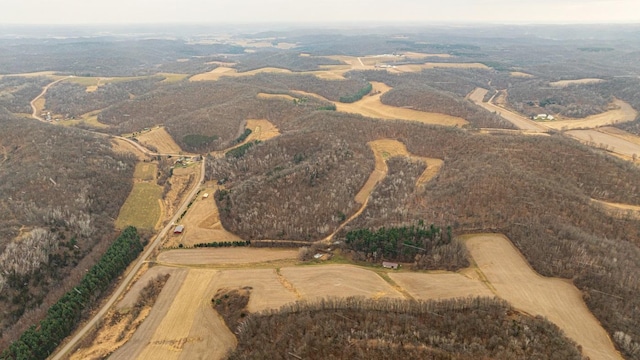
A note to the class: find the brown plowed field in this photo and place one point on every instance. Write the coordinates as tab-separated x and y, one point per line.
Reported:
161	140
556	299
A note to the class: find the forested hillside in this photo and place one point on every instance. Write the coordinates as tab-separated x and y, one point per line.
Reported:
60	191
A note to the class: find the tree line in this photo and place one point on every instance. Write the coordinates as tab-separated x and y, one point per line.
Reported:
63	316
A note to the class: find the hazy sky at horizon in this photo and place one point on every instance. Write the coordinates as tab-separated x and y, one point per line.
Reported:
301	11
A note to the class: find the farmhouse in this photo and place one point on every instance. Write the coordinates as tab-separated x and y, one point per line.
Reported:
179	229
390	265
543	117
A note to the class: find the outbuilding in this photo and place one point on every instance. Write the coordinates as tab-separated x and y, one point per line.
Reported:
390	265
179	229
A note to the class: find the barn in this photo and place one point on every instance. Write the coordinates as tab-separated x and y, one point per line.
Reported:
390	265
179	229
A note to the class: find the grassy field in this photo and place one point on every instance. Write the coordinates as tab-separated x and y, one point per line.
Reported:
145	171
142	208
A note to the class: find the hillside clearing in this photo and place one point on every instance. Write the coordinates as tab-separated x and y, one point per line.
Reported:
565	83
142	207
159	139
606	141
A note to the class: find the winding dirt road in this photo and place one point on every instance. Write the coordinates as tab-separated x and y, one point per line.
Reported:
34	109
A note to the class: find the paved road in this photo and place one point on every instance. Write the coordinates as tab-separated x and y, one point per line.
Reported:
62	352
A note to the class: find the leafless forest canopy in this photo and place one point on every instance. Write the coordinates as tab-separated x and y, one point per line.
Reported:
357	328
61	188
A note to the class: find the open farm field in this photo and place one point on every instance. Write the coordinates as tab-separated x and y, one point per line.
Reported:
621	112
202	224
606	141
90	119
225	256
436	285
276	96
317	282
142	207
520	74
261	129
159	139
435	65
565	83
122	146
558	300
371	106
145	171
219	72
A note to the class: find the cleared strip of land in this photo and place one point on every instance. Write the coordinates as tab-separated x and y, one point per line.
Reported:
606	141
565	83
224	256
160	139
621	112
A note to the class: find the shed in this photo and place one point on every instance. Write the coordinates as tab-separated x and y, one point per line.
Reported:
390	265
179	229
206	195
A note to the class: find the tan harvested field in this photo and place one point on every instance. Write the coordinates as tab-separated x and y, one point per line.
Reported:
418	55
268	289
261	129
520	74
620	133
160	139
202	224
620	210
173	77
565	83
437	286
621	112
185	323
142	208
132	348
90	118
276	96
317	282
556	299
225	256
434	65
123	146
219	72
518	120
145	171
371	106
612	143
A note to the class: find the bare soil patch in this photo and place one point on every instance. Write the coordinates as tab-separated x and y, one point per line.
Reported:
160	139
565	83
316	282
556	299
438	286
620	112
220	256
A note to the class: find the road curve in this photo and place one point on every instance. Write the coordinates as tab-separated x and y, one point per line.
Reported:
517	120
62	352
34	111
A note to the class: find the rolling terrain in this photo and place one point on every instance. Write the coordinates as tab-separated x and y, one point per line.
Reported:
299	141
